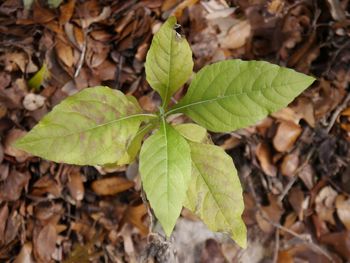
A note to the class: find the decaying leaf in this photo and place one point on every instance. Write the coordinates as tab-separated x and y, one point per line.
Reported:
236	36
286	135
343	210
111	185
45	243
11	188
135	215
76	186
325	204
263	153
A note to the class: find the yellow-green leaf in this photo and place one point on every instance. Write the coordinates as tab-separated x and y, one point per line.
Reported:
165	167
193	132
39	77
92	127
169	61
233	94
215	192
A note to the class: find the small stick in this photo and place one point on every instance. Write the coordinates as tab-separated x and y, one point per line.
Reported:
82	55
277	246
307	239
295	175
336	113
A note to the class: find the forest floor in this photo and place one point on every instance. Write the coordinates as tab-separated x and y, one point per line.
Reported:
294	165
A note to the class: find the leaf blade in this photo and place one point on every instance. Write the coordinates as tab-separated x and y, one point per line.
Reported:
91	127
233	94
169	61
165	167
215	190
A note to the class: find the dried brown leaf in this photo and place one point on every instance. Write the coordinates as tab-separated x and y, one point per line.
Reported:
11	188
135	215
4	213
45	243
286	135
111	185
46	185
264	156
290	164
340	242
237	36
76	186
66	11
25	255
325	204
65	53
342	204
42	15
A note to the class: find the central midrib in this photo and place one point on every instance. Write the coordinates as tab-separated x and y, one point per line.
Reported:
219	98
96	127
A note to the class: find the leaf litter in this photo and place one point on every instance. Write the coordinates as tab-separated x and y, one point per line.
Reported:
294	165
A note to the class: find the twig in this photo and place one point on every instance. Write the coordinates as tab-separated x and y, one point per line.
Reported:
82	55
339	109
150	213
305	238
277	246
295	175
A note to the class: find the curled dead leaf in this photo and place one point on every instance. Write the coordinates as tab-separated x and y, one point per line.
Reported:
290	164
325	204
111	185
25	255
135	215
45	243
237	36
4	213
66	11
342	204
76	186
286	135
264	156
64	53
11	188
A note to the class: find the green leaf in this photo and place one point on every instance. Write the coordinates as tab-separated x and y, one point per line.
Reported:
233	94
215	193
27	4
165	167
54	3
193	132
36	81
169	61
92	127
135	145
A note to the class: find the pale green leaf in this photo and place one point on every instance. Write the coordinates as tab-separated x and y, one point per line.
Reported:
134	145
54	3
27	4
215	193
169	61
193	132
233	94
91	127
39	77
165	167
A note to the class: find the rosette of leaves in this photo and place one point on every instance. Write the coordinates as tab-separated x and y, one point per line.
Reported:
179	165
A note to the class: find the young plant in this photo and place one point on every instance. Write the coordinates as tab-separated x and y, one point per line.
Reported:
179	165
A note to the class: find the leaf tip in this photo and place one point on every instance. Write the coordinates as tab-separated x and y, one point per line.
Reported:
240	234
172	20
